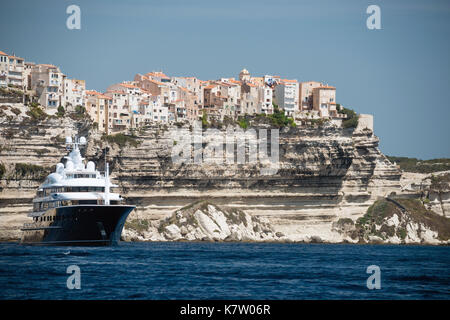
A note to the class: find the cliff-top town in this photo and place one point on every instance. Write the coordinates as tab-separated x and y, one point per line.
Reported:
156	97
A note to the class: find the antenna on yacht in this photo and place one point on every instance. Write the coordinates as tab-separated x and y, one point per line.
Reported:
107	184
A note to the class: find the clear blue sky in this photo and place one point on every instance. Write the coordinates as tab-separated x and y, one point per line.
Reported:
400	74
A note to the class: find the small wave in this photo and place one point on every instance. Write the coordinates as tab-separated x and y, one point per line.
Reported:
417	278
136	296
76	254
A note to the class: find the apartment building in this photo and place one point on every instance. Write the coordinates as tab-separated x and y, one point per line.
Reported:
131	94
265	99
214	102
97	107
119	111
160	112
286	95
249	99
47	81
28	67
192	84
74	93
11	70
324	101
158	76
306	90
15	72
155	87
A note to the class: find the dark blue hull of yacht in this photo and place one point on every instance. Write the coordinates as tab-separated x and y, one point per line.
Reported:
80	225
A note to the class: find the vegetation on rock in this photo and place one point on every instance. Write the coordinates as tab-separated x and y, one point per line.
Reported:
421	166
279	119
2	170
121	140
36	113
352	117
374	222
79	113
30	170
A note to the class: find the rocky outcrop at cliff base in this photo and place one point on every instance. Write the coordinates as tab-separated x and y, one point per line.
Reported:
203	221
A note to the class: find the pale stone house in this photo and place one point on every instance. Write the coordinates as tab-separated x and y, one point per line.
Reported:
286	95
97	107
74	93
265	100
47	81
324	101
11	71
306	94
250	99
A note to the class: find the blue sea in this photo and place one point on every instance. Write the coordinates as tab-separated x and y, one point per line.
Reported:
181	270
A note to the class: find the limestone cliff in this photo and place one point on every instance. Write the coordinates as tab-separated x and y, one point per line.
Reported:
324	174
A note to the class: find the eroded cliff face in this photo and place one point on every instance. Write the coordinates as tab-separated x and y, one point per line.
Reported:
29	150
324	174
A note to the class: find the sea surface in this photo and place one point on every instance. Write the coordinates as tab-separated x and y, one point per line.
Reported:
181	270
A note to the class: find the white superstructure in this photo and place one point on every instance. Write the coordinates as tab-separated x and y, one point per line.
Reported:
75	184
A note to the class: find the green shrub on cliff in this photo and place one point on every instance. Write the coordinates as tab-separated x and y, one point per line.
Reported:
80	113
2	170
35	112
30	170
243	122
121	140
441	182
138	225
279	119
61	111
374	222
204	120
352	117
421	166
319	122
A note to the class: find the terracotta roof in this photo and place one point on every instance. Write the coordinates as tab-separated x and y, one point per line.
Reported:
211	86
114	91
47	65
15	57
157	74
288	80
126	85
2	53
325	87
102	96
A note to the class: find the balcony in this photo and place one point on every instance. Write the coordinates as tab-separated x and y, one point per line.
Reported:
16	68
53	97
15	76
